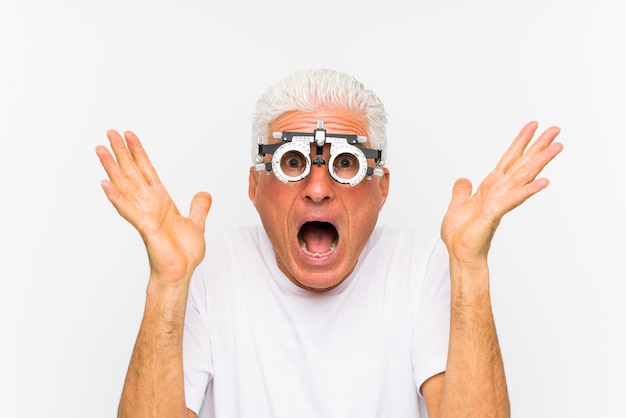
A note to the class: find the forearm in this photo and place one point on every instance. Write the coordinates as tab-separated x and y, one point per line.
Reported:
475	383
154	384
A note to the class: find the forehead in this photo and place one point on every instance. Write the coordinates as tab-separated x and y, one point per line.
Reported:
335	121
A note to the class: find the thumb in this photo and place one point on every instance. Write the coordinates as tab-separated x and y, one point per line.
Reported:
462	190
200	205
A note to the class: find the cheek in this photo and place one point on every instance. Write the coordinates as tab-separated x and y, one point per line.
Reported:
272	200
364	206
263	189
370	197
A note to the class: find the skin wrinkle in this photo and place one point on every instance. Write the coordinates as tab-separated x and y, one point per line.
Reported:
347	122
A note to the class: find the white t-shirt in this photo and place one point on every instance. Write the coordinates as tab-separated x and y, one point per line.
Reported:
256	345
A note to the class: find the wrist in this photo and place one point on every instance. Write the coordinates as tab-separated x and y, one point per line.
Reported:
470	265
470	276
165	307
167	292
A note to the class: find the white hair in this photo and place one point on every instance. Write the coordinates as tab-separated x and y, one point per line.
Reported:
307	90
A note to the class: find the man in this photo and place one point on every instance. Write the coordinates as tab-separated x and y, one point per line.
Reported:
319	313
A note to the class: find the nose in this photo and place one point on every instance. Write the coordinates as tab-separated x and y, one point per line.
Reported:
318	185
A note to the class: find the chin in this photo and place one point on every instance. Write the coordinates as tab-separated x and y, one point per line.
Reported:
319	282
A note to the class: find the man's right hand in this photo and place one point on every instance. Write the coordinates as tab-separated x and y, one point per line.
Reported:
175	243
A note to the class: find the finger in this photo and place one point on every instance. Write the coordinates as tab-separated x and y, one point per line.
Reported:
118	146
118	201
535	187
124	158
545	139
525	183
111	167
521	195
200	205
517	147
461	191
141	159
530	169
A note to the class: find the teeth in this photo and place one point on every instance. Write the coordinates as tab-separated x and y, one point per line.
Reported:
318	255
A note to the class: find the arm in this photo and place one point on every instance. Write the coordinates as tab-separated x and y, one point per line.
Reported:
154	384
474	384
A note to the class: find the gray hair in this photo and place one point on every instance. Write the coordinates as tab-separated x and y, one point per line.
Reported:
307	90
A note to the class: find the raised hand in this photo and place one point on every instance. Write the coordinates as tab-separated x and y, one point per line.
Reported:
175	243
471	220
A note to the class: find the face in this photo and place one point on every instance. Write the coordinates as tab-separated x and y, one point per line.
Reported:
317	226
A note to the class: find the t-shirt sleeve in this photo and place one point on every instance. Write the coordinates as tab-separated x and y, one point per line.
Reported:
197	361
432	322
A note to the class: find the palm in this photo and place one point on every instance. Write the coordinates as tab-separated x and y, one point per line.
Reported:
175	244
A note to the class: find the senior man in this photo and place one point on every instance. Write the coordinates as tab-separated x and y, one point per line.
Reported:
319	312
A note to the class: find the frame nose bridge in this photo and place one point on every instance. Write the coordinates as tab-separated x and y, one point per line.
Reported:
320	154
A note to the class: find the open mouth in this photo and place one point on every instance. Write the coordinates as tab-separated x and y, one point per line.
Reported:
318	239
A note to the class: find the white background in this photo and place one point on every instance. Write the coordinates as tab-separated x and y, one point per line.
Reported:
459	80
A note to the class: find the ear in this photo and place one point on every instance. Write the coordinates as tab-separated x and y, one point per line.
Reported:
384	185
253	182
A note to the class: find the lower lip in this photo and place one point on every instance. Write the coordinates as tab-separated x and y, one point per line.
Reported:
317	260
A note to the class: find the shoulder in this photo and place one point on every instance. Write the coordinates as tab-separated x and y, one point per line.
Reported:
228	247
224	240
409	241
233	233
407	255
232	254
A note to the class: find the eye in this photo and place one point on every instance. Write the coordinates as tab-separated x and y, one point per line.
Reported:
346	163
293	162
